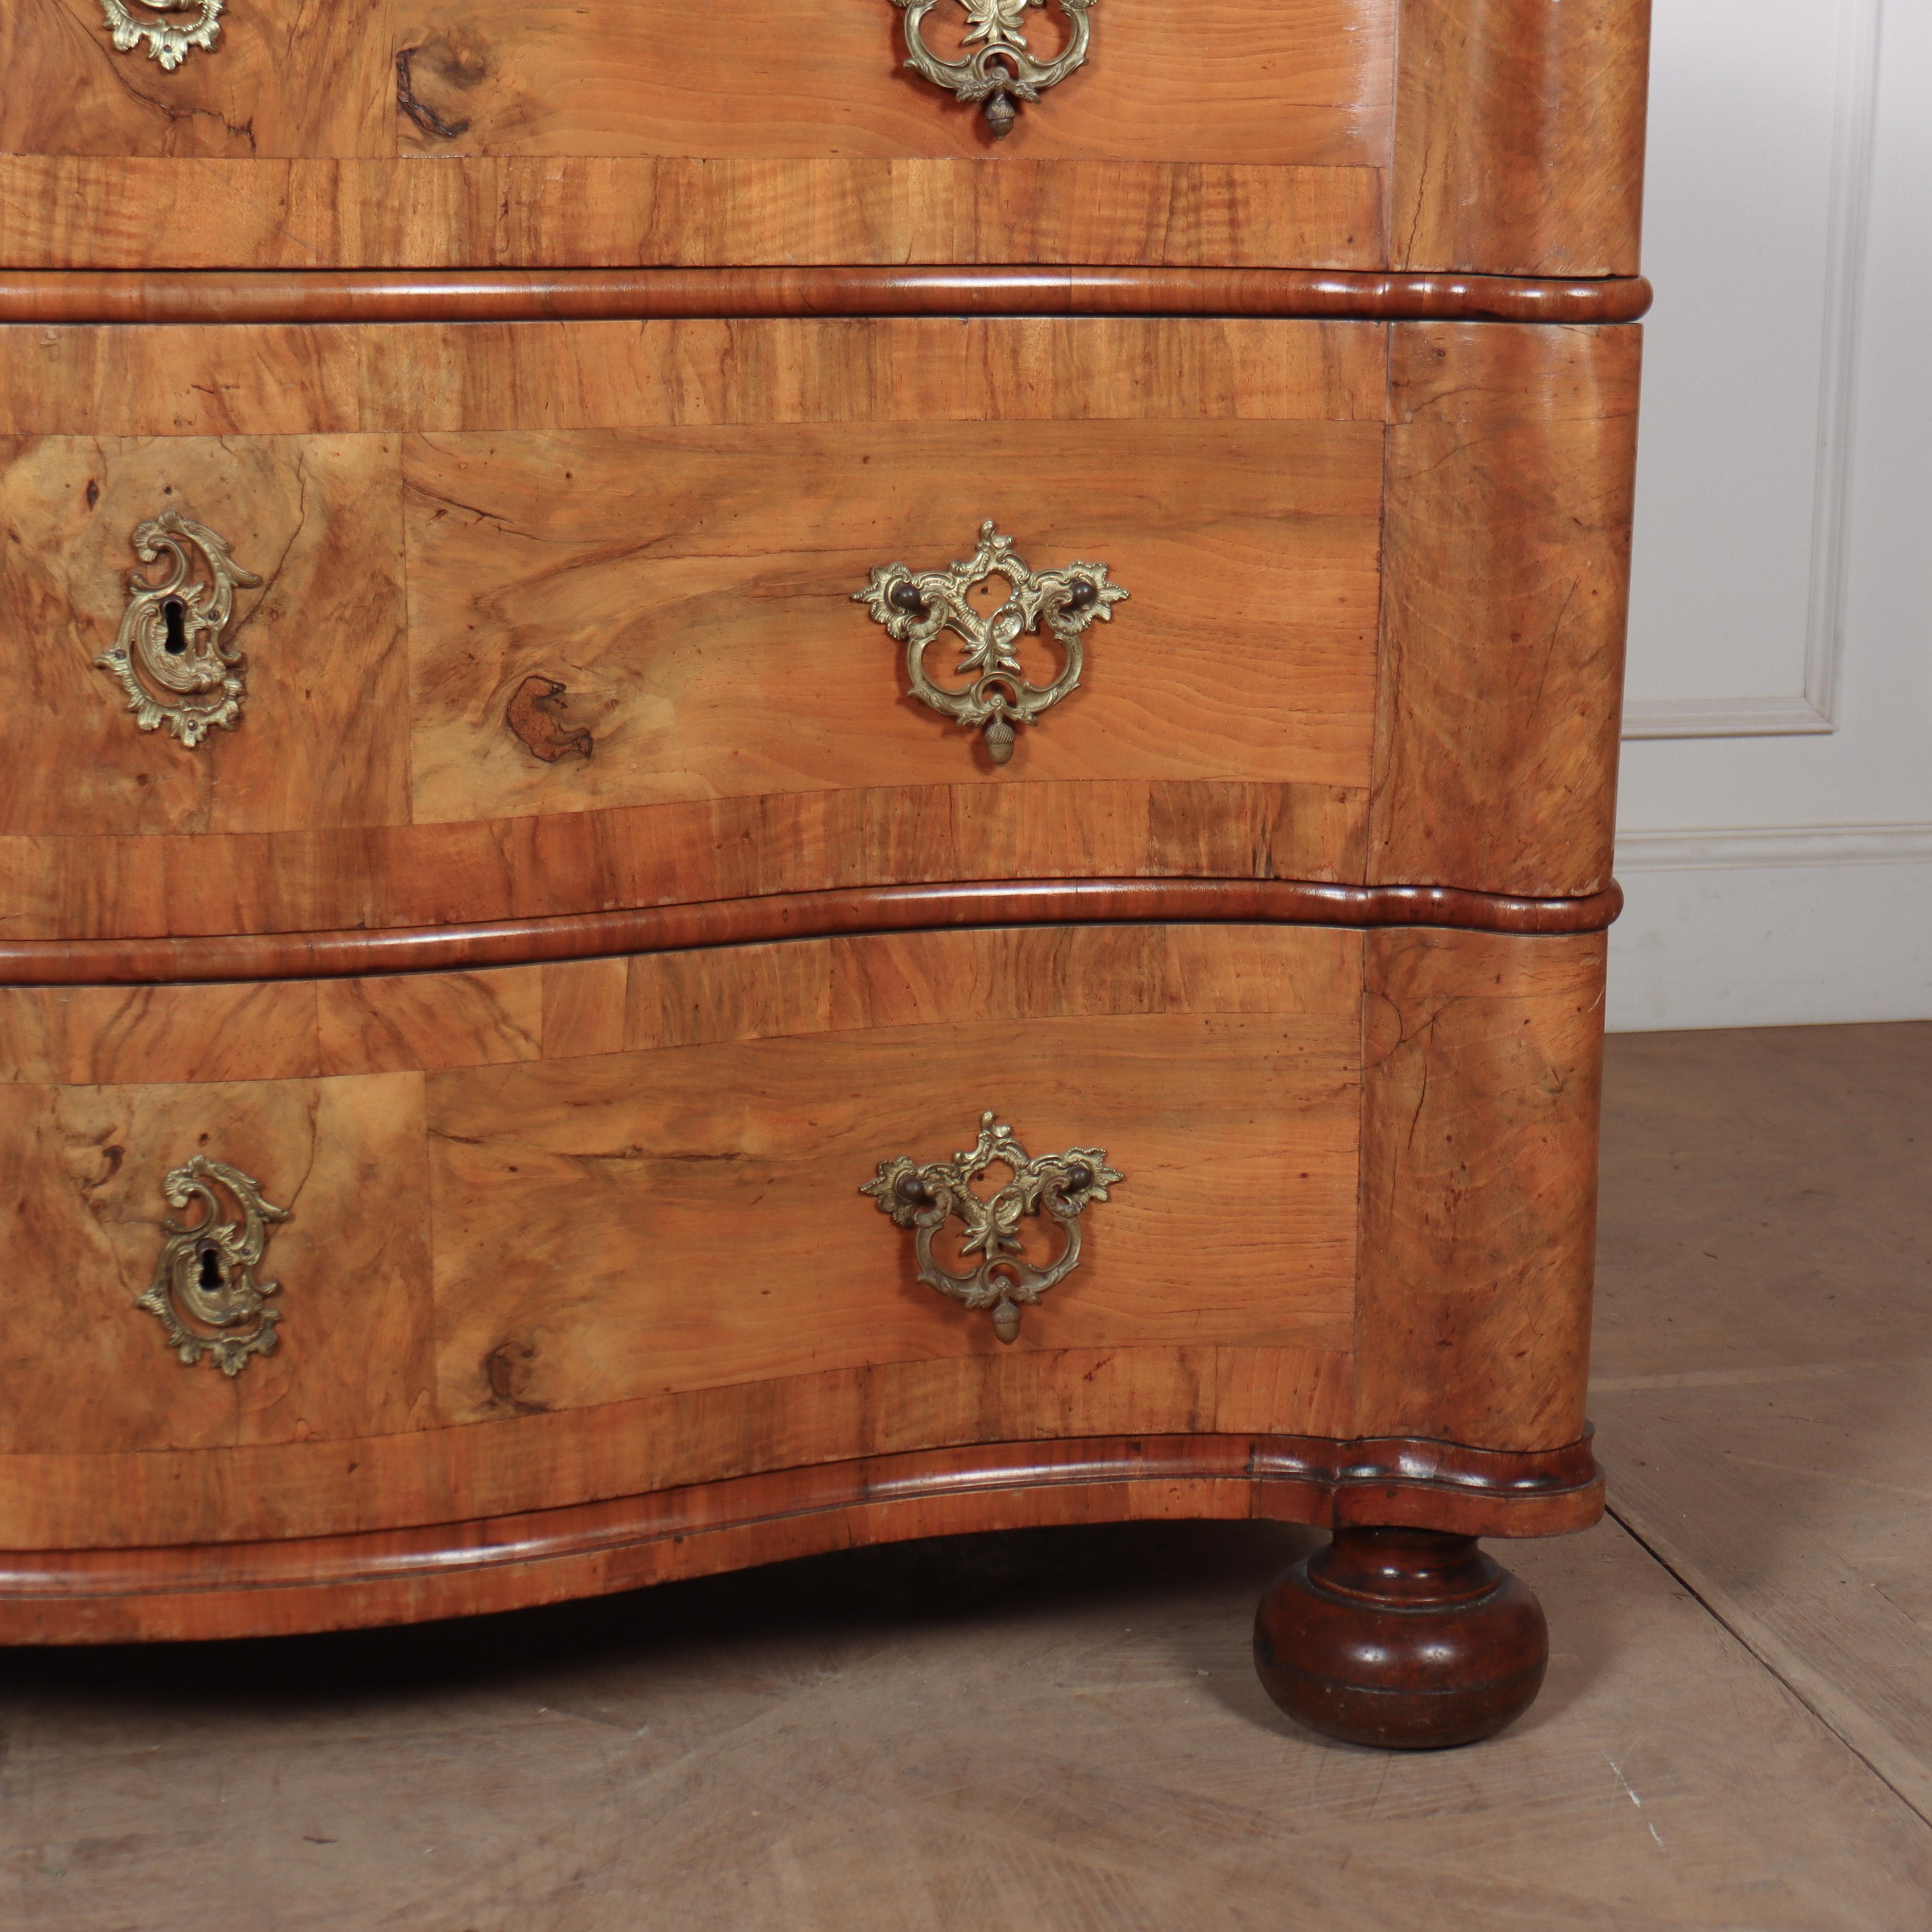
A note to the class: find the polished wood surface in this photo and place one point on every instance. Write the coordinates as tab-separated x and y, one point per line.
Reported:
583	909
1303	81
599	212
1506	568
283	80
1165	765
525	1462
447	378
1310	133
49	963
1518	139
530	1088
237	1589
633	1177
323	739
522	295
1482	1070
155	885
1401	1639
717	657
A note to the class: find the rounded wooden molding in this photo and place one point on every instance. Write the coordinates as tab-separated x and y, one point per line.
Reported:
287	956
414	1574
587	295
1401	1638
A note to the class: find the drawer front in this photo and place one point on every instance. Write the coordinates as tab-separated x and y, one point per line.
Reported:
524	620
1308	132
625	1196
545	1235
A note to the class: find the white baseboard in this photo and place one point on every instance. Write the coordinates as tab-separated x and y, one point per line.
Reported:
1722	850
1772	926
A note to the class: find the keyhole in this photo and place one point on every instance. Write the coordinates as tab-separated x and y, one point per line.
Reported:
212	1275
174	614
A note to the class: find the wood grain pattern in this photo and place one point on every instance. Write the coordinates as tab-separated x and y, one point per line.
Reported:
1300	82
1482	1074
231	1589
522	294
1506	565
157	885
46	964
1025	397
692	590
531	211
82	1366
376	1485
1308	81
687	1221
296	78
679	1209
1519	136
323	737
1509	466
446	378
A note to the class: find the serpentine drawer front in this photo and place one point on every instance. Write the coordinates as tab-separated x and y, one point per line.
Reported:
777	776
535	1238
621	596
1319	133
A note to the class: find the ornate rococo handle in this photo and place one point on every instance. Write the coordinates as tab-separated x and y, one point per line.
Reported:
916	606
921	1195
205	1278
999	68
170	634
166	43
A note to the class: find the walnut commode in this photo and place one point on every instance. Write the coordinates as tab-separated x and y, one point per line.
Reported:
526	800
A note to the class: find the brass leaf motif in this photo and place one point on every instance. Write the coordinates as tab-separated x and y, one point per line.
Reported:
166	42
1000	69
915	607
923	1195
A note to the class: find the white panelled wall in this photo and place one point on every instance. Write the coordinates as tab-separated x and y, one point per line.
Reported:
1775	814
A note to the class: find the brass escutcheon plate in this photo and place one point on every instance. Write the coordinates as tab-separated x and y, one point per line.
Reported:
204	1288
174	665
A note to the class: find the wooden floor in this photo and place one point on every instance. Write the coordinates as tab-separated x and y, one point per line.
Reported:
1062	1730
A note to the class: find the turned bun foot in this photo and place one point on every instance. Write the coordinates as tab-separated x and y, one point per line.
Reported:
1406	1638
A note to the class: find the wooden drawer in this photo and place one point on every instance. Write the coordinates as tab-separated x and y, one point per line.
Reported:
560	1233
1325	134
554	619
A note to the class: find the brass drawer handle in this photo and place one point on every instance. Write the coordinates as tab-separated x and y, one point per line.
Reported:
916	606
1000	69
205	1278
922	1195
166	42
170	634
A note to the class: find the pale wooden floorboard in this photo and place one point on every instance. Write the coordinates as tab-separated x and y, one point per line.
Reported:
1764	1354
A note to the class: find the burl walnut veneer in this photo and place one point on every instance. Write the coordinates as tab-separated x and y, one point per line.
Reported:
776	781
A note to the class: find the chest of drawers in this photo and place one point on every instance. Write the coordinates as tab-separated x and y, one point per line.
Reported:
746	808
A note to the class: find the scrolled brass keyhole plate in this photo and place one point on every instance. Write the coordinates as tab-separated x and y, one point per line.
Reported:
204	1289
923	1195
917	606
170	658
